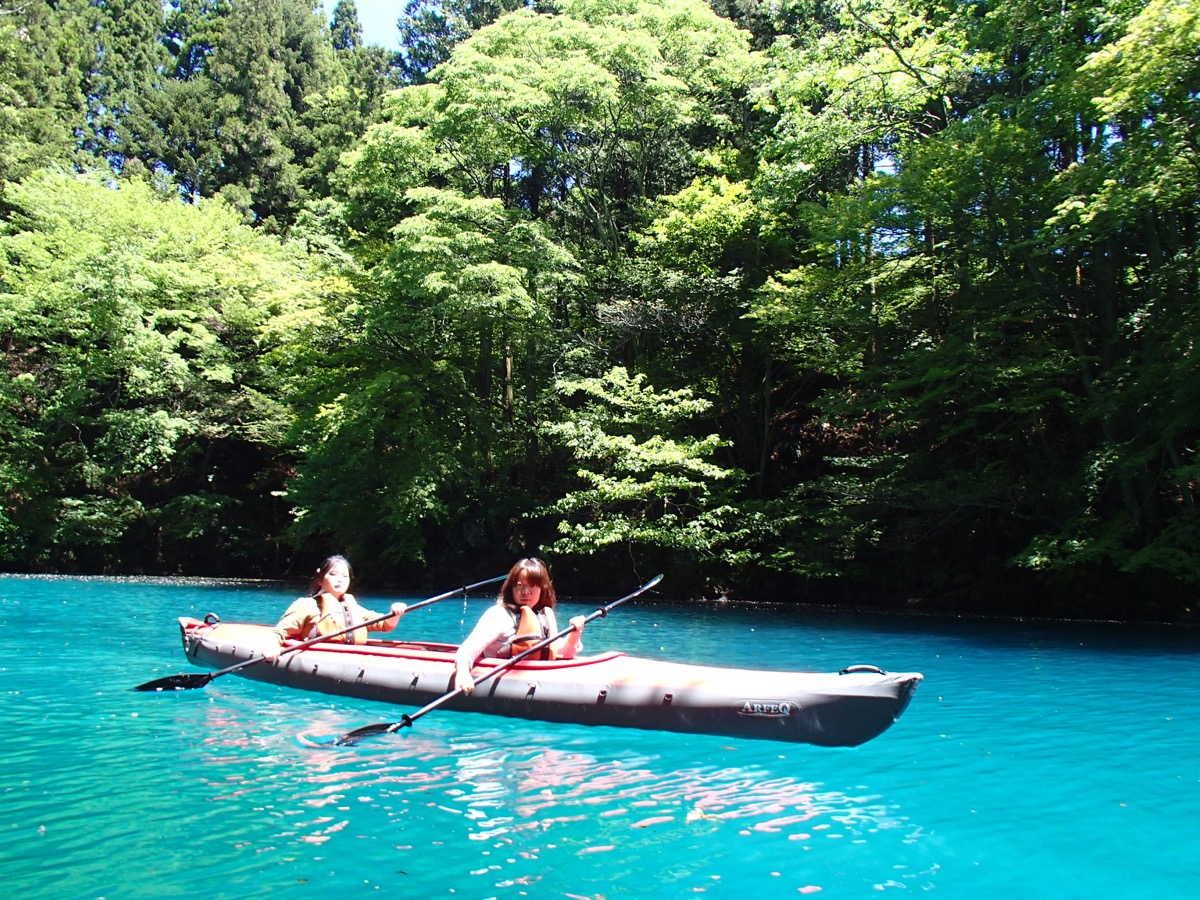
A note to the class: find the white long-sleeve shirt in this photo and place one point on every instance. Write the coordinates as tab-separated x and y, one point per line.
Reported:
493	633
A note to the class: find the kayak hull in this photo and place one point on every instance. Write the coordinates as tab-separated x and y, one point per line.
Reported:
829	709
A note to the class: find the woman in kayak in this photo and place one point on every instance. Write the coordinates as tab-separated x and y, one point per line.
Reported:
522	616
328	609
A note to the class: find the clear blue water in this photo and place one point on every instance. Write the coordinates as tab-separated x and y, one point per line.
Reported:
1036	760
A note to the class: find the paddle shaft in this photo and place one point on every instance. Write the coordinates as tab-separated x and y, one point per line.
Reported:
407	720
325	637
300	646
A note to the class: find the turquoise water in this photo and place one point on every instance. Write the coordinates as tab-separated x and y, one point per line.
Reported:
1036	760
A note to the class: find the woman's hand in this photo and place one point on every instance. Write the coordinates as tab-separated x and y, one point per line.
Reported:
568	647
463	680
398	610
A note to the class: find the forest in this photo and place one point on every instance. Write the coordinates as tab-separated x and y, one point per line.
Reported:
879	302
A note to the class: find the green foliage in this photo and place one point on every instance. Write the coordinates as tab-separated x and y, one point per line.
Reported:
431	29
191	33
41	98
128	56
345	30
417	407
704	227
640	485
988	282
602	119
1143	85
932	267
134	330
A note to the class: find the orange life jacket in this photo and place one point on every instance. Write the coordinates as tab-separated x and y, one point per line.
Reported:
530	632
331	620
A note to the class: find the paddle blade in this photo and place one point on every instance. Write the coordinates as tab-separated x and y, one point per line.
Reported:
353	737
177	682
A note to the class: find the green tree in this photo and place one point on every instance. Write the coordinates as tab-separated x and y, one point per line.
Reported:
431	29
128	59
1127	220
345	29
179	127
261	105
645	481
984	306
542	140
255	113
191	31
140	396
423	409
42	103
337	113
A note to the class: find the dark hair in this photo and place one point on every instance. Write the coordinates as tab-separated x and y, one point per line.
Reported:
323	570
536	572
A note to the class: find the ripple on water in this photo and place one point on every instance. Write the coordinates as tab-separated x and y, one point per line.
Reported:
1032	762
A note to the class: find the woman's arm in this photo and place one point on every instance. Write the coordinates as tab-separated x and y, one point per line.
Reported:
293	624
568	647
388	624
495	624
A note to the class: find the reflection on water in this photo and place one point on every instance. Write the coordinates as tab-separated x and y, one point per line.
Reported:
512	808
526	802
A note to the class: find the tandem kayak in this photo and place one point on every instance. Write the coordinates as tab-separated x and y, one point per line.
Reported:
829	709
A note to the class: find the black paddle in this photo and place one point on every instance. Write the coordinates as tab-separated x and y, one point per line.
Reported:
352	737
200	679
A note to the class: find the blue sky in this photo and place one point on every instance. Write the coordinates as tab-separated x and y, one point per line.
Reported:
378	19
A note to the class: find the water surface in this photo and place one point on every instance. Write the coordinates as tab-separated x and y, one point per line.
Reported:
1036	760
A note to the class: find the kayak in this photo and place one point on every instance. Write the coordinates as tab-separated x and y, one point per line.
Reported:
828	709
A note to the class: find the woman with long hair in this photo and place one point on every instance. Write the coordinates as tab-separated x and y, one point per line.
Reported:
522	616
329	608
